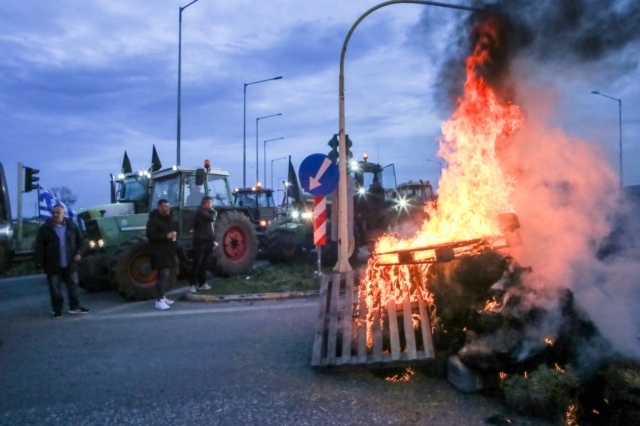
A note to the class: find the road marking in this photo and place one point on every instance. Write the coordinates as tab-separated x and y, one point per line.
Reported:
218	310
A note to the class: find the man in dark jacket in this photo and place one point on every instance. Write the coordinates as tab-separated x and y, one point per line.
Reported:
58	249
203	244
162	249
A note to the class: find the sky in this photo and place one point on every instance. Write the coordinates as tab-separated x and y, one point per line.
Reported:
83	82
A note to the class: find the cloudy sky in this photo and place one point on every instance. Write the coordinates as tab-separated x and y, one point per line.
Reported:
81	82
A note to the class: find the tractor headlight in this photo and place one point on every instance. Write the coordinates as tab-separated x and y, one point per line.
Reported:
362	191
402	203
92	244
263	223
100	243
295	214
307	215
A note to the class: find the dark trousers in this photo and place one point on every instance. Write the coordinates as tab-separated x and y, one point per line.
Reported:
70	279
201	252
161	284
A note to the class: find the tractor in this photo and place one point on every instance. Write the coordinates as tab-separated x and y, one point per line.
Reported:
118	258
414	200
260	206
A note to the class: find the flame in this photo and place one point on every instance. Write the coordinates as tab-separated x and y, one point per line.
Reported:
571	416
503	375
548	341
559	369
473	189
403	377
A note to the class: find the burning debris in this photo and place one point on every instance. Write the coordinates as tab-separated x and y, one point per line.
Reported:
520	328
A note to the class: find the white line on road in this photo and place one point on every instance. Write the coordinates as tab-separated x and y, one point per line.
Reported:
258	307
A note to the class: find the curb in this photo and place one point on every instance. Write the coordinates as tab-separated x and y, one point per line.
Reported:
252	297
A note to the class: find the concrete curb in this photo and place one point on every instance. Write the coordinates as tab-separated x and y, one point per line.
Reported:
249	297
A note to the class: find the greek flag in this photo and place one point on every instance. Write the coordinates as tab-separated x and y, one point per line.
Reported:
47	200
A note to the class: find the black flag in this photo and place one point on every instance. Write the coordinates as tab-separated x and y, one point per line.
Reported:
294	189
155	161
126	164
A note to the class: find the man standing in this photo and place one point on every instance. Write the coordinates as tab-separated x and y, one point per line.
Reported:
58	249
162	249
203	244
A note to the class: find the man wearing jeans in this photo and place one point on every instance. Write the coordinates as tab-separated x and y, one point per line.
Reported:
58	249
162	249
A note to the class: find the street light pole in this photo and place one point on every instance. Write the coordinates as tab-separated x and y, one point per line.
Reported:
343	234
264	159
439	163
244	126
620	123
281	158
257	149
180	77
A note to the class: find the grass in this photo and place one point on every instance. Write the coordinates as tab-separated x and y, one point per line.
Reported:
298	276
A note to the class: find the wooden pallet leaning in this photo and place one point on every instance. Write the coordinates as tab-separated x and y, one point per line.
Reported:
341	337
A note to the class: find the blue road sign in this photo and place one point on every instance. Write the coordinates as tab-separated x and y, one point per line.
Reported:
319	175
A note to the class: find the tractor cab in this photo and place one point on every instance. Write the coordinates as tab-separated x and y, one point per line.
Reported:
259	203
184	189
416	193
134	188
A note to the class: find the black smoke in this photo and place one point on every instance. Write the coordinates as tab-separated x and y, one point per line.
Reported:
567	32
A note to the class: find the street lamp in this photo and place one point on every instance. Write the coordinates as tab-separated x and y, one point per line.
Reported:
281	158
244	137
264	158
620	121
439	163
180	76
343	234
257	150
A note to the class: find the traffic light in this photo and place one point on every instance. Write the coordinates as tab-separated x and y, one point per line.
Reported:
30	179
334	143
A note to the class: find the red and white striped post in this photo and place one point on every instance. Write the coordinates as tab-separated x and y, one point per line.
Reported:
319	226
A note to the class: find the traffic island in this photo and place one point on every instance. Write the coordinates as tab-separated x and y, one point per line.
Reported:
268	282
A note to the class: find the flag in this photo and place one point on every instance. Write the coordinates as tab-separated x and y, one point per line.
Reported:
155	161
47	201
126	164
294	189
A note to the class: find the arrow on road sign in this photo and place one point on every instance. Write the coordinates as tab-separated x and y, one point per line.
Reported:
314	182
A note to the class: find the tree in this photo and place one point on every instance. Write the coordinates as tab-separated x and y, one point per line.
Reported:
64	194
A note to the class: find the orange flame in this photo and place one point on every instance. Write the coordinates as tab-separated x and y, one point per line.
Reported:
473	189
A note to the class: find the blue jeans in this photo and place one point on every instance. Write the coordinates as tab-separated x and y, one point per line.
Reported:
70	279
161	284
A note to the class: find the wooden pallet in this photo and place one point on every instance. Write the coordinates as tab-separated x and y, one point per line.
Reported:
341	338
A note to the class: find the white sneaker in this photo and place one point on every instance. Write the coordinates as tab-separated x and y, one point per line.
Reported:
167	301
161	305
204	286
192	289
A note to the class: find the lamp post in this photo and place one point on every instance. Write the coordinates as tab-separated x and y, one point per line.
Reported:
620	122
281	158
439	163
343	234
264	158
257	149
180	77
244	136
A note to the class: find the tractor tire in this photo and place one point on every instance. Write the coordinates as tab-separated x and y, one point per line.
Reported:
237	248
277	249
131	273
94	274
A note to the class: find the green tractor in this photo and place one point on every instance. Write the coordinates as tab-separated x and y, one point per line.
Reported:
374	211
259	205
414	200
118	249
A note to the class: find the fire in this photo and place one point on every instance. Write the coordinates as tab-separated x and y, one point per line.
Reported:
559	369
403	377
473	189
548	341
571	416
503	375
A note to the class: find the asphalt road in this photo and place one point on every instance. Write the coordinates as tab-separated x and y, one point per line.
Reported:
196	364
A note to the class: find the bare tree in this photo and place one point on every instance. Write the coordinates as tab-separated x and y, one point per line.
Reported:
64	194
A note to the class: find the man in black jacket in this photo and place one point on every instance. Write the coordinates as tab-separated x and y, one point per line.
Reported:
162	249
203	244
58	250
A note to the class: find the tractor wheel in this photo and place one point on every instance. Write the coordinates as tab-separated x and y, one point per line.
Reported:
237	245
277	248
93	273
131	272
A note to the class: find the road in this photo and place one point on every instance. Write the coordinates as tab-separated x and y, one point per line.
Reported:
196	364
